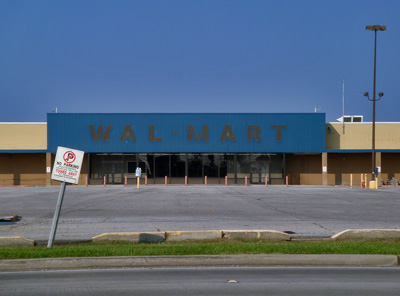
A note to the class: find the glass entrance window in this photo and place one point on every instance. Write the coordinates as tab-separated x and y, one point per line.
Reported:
115	166
243	165
146	164
211	163
113	171
108	165
258	172
161	165
178	165
195	165
227	166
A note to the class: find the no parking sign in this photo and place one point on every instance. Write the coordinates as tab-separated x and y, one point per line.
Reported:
67	166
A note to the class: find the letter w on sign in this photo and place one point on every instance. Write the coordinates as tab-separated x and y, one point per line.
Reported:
100	133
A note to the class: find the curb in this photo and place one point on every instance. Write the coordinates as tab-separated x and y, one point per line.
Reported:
263	235
15	241
134	237
179	236
199	261
366	234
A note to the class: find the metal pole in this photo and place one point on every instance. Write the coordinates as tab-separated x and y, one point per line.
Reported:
373	115
56	215
374	28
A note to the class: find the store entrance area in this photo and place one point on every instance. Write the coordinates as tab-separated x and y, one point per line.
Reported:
258	172
115	167
114	172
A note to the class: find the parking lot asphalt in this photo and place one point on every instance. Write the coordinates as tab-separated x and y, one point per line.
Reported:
302	211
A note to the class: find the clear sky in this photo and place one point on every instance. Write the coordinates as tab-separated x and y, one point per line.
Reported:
197	56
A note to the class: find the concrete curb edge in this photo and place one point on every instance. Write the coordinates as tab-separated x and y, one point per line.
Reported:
198	261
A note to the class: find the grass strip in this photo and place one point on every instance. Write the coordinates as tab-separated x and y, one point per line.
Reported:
201	248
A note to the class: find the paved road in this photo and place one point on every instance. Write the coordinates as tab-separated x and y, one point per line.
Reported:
205	281
306	211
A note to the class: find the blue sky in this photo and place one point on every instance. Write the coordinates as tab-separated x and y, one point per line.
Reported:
197	56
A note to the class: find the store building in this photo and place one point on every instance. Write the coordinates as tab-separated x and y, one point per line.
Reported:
300	146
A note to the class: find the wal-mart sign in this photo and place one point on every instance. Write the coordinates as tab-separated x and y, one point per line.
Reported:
188	133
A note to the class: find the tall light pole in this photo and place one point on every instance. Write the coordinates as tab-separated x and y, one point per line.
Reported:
375	28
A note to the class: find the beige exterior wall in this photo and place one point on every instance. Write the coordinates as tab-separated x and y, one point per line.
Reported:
303	169
22	169
359	136
23	136
29	169
342	165
390	166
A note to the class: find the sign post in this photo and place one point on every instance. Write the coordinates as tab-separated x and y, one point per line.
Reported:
138	174
67	168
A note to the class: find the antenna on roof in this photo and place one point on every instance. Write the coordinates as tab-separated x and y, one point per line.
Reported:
316	109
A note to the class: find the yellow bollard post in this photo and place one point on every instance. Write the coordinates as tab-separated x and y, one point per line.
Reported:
138	182
351	180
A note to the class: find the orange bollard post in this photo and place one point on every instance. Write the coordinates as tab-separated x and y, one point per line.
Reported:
87	181
145	180
186	181
104	181
166	180
226	180
287	181
266	181
126	180
245	180
205	180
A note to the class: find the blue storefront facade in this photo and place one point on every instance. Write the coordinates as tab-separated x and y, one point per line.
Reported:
196	146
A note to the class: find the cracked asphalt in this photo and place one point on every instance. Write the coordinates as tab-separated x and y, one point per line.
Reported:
300	211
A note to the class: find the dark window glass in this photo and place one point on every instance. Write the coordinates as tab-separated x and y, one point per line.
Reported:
131	167
223	170
178	162
276	166
162	165
243	165
149	165
211	162
227	167
195	165
96	166
146	164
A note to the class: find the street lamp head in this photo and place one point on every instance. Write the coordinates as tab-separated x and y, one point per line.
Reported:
366	94
380	94
376	28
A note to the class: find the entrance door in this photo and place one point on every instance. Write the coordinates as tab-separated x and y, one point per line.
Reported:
258	172
114	171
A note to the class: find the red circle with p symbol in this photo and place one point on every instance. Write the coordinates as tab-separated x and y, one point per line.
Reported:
69	157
